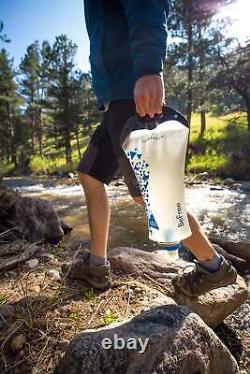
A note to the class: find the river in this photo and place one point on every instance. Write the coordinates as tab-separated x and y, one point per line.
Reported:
222	211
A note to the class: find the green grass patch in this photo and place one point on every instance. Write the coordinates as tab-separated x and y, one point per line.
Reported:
7	168
109	318
88	294
224	148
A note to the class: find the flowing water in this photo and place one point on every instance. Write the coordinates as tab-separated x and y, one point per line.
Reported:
221	211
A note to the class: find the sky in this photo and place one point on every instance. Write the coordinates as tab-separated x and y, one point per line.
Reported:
28	20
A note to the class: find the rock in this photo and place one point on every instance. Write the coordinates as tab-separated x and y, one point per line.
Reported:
137	290
246	187
242	266
18	342
54	274
237	186
213	307
236	248
229	181
204	176
32	263
47	256
66	228
174	340
34	219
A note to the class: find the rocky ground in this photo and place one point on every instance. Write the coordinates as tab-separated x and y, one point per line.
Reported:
41	312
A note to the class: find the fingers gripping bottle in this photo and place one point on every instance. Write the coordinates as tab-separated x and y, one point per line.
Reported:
156	151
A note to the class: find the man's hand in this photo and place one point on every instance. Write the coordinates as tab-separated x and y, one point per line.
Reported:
149	95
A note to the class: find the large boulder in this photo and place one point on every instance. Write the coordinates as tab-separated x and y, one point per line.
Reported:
168	339
29	218
213	307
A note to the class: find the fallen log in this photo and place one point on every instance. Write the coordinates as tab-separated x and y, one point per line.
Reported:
13	261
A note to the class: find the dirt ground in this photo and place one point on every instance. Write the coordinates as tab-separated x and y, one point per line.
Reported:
40	315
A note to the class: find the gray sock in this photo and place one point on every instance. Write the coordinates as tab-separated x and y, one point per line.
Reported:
97	260
212	265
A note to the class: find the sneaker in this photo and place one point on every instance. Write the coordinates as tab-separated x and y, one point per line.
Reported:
200	281
98	276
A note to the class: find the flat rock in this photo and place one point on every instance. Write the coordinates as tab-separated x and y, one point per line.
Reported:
179	342
213	307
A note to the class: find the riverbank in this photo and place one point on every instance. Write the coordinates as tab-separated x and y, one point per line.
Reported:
42	312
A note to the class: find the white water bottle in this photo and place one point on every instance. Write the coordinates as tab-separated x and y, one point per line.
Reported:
157	156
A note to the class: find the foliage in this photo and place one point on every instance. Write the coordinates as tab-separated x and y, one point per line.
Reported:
48	108
109	317
224	149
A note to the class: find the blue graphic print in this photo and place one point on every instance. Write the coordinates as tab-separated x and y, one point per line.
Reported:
141	170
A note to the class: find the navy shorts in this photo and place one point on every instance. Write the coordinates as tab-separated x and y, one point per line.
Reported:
104	154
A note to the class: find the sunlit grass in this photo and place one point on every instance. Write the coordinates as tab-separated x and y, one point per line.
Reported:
224	136
6	168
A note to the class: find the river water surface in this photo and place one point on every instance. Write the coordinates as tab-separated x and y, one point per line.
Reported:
221	211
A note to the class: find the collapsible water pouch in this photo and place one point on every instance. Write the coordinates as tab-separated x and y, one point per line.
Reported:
156	150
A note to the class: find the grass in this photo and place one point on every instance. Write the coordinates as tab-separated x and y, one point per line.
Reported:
6	168
54	159
3	298
88	294
224	149
109	317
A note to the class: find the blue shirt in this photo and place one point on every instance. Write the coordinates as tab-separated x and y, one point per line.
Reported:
127	41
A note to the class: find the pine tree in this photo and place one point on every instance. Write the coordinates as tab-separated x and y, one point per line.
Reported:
190	26
58	68
9	102
30	69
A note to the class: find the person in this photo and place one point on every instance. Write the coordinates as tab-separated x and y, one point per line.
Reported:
127	52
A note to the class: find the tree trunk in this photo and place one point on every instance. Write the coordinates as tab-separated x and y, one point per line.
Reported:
68	149
40	132
78	144
203	122
248	114
190	73
202	86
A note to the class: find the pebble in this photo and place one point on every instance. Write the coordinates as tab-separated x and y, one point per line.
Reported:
204	175
54	274
18	342
229	181
137	290
32	263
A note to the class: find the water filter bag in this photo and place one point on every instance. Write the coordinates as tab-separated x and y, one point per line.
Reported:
157	152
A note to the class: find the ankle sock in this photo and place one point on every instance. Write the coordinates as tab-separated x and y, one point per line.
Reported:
97	260
212	265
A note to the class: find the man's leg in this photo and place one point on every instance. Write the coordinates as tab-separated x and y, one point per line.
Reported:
94	267
98	214
211	271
